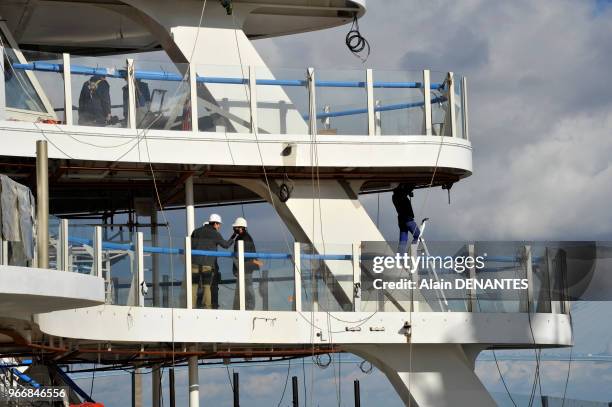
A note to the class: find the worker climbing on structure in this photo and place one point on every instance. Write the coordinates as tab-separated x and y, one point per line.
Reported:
401	198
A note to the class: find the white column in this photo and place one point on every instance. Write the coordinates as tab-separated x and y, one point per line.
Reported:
427	103
193	86
131	83
68	119
2	88
464	105
370	96
356	277
241	288
312	101
297	276
139	275
98	252
253	98
63	254
188	285
189	208
194	382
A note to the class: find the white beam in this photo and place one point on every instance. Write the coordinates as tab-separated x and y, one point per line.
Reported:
188	276
189	206
464	109
63	254
427	103
139	274
98	251
68	116
370	100
241	282
451	106
131	83
312	101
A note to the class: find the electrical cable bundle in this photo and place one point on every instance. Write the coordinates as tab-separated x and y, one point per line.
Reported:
356	42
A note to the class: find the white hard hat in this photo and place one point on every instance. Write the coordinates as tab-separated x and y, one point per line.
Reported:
240	223
214	218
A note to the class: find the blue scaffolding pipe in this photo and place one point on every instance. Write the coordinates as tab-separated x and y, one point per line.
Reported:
175	77
384	108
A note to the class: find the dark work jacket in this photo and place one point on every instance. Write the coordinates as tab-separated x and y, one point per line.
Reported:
249	247
207	238
94	101
403	206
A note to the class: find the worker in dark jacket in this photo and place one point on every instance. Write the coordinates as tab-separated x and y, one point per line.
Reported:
405	214
250	265
205	268
95	102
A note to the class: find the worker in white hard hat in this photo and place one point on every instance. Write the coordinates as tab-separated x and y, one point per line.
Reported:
205	269
250	265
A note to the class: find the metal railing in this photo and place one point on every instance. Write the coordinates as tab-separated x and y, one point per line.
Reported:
244	109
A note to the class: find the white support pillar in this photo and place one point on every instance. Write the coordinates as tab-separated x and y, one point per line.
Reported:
98	252
193	86
297	276
139	275
427	130
194	382
356	252
63	246
451	120
472	299
370	96
2	87
253	98
68	117
188	277
189	206
241	282
529	270
464	110
312	101
131	84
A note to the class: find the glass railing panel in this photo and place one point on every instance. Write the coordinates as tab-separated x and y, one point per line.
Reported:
99	91
54	242
439	106
223	99
398	98
162	100
80	248
23	91
341	102
282	101
327	278
459	105
164	270
502	260
118	265
269	285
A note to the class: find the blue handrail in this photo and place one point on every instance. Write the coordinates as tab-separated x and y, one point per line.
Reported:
175	77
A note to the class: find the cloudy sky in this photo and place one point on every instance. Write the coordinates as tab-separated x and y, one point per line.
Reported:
541	126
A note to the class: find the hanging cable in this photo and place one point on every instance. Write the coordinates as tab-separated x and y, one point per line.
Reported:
356	42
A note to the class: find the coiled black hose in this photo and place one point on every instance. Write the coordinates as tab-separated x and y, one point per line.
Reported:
356	42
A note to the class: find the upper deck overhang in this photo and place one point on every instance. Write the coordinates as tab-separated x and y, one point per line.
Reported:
111	26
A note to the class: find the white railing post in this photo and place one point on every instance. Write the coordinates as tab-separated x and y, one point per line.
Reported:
193	86
253	98
68	117
131	84
297	276
98	251
464	109
451	117
2	86
529	269
140	269
63	246
188	276
241	287
312	101
356	254
371	110
472	299
427	130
